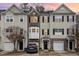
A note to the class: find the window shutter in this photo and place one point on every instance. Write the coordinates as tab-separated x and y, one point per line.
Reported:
29	19
53	18
48	18
53	31
38	18
67	31
43	19
47	31
72	18
62	18
67	18
63	31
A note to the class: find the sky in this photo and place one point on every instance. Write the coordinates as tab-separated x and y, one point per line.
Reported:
48	6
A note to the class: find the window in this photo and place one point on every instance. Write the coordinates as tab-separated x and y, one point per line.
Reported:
67	31
21	20
7	20
11	20
33	19
33	30
11	30
70	18
58	18
58	31
7	30
21	31
42	31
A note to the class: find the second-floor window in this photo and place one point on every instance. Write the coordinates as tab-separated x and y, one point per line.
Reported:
9	30
70	31
45	31
58	31
45	19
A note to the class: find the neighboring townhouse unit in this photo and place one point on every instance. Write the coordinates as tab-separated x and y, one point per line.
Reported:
50	30
13	17
62	29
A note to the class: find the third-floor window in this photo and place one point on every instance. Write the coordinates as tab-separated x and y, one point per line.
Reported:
70	18
34	19
9	18
58	18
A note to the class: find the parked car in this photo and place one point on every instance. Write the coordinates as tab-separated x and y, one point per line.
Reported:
32	48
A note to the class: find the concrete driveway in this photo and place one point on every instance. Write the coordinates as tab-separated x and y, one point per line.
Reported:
41	53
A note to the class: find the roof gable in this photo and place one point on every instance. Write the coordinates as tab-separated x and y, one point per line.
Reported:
33	12
14	9
63	9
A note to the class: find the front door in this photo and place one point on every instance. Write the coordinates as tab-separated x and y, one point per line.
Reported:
21	45
45	45
71	45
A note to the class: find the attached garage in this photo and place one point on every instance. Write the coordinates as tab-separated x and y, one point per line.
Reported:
58	45
8	46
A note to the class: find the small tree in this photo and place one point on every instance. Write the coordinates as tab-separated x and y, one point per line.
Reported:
15	34
40	8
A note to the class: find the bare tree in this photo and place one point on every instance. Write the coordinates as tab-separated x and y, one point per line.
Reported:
40	8
14	34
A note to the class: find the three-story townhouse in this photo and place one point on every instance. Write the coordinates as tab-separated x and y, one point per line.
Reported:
33	27
62	29
13	17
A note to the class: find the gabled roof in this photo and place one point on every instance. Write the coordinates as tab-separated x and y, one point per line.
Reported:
63	9
33	11
18	11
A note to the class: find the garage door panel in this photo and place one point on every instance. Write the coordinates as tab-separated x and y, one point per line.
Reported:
58	45
8	46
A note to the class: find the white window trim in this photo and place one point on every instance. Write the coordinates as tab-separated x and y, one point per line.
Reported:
9	17
21	17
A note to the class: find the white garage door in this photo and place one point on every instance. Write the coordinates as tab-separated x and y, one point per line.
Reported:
58	45
8	46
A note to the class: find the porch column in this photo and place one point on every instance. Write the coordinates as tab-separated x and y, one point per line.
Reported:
68	45
75	43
